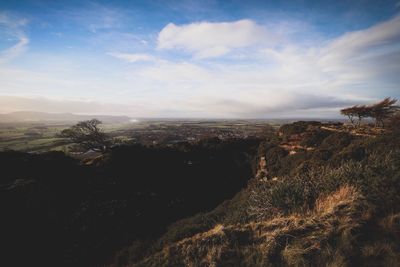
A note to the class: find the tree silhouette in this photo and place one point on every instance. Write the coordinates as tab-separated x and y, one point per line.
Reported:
88	136
350	113
357	111
383	110
380	111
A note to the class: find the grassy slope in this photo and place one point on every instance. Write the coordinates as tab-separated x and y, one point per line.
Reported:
334	205
293	240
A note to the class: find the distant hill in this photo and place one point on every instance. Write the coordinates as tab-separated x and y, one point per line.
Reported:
34	116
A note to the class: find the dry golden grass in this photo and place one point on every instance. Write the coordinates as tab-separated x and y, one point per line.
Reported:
327	204
296	240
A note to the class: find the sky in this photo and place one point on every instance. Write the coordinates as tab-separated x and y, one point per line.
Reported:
198	59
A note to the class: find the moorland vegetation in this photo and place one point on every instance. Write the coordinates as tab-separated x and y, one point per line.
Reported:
309	194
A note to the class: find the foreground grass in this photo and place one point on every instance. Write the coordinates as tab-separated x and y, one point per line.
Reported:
325	236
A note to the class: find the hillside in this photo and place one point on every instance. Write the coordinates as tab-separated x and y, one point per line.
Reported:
321	197
310	194
57	211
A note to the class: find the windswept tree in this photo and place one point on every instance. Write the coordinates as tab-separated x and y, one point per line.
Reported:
350	113
383	110
358	112
363	112
87	135
380	111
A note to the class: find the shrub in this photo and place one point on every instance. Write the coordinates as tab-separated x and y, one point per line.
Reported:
271	198
274	158
337	141
315	137
297	127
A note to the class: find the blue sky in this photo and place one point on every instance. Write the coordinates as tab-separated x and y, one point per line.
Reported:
221	59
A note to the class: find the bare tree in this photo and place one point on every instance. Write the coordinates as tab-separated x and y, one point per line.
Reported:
88	136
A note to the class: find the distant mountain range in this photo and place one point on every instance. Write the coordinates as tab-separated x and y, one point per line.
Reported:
34	116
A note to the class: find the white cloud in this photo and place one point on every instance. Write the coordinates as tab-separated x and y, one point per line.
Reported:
363	44
13	27
354	62
354	68
14	51
207	39
236	91
133	57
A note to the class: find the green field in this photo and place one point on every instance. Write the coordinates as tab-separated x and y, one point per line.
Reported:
43	136
40	137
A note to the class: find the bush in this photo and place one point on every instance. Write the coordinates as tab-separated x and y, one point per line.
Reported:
297	127
315	137
337	141
274	157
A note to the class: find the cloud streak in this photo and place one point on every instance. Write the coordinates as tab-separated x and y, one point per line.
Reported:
13	27
132	57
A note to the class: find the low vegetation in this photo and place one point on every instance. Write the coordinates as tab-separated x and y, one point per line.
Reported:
335	205
59	212
312	194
